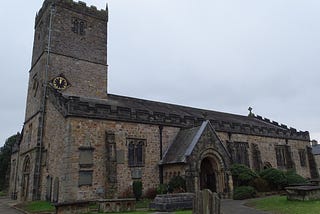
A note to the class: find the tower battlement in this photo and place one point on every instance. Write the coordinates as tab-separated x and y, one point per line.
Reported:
79	6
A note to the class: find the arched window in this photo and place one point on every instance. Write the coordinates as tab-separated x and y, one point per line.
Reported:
79	26
26	165
75	25
136	152
25	179
131	154
82	28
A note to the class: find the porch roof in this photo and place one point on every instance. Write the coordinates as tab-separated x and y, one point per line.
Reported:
183	145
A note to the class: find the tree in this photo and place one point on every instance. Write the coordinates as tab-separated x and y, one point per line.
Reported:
5	159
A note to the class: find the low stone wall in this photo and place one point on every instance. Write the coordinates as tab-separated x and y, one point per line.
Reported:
117	205
172	202
303	193
76	207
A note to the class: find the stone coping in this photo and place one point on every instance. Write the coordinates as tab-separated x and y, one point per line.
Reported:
304	188
72	203
116	200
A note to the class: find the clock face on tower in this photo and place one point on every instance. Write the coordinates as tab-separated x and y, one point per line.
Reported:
60	83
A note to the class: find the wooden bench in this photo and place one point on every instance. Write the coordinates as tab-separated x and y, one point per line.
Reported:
303	193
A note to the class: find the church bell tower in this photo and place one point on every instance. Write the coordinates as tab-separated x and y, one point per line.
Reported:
69	56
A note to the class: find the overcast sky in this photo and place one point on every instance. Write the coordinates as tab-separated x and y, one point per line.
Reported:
224	55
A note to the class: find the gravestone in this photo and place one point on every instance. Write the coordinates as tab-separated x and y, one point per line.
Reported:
172	202
206	202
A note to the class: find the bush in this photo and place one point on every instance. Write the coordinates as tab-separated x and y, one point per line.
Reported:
137	189
242	175
177	184
151	193
243	192
162	189
276	178
294	178
260	184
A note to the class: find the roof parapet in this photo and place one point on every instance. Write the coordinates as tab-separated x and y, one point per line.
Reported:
79	107
79	6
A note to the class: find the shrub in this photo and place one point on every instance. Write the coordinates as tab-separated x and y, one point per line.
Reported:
294	178
151	193
243	192
276	178
242	175
137	189
162	189
260	184
177	184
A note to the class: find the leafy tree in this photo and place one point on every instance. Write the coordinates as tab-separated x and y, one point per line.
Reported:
5	159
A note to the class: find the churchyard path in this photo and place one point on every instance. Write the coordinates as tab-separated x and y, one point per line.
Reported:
5	206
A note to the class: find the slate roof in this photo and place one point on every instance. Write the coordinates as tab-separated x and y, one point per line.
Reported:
183	145
316	149
130	109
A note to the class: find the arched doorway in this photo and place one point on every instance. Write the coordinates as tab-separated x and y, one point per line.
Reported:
208	175
25	179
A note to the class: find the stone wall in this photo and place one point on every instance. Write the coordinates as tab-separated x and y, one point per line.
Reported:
92	133
266	146
317	159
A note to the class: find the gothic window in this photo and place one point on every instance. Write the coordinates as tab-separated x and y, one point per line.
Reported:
302	156
75	25
82	28
136	152
239	152
256	157
131	154
25	178
283	157
29	134
35	85
79	26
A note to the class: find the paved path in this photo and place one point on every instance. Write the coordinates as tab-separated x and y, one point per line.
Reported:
229	206
5	208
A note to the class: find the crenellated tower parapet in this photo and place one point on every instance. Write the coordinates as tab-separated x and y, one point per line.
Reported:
80	7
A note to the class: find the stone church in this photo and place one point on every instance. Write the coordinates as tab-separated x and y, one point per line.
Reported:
80	142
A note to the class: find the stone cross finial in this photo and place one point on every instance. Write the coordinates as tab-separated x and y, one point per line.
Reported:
250	111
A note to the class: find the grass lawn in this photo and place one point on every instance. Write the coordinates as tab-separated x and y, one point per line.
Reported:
280	205
43	206
37	206
149	212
